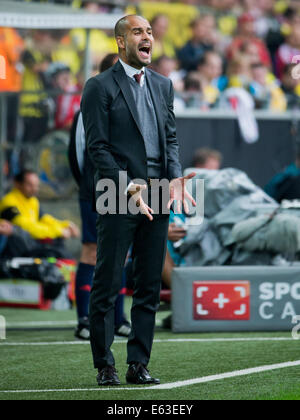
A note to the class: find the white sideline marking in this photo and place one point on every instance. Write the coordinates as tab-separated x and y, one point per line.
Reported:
227	375
170	340
170	385
40	324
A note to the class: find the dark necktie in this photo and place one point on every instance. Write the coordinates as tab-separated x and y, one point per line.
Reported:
138	77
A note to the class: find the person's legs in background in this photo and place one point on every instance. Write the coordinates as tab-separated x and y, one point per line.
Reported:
85	271
84	280
169	266
122	326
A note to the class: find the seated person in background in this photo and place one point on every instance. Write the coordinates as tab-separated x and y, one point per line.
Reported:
22	208
205	158
239	71
289	189
247	33
167	66
210	69
193	95
162	45
176	233
288	50
68	102
203	39
249	50
33	106
286	184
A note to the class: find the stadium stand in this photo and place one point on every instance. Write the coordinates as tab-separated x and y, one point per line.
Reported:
235	67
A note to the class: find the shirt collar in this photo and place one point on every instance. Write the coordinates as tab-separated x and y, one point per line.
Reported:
131	71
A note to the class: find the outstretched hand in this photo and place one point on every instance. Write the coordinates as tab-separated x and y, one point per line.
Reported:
179	193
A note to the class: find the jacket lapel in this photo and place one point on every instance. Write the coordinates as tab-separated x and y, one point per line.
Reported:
157	99
121	78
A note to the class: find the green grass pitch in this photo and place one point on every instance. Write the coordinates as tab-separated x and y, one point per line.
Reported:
69	366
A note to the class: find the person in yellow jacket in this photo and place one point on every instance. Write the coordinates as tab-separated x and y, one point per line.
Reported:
22	208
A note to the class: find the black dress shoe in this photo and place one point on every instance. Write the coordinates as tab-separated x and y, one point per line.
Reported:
108	376
138	374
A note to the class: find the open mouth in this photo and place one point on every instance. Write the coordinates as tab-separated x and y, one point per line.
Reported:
145	52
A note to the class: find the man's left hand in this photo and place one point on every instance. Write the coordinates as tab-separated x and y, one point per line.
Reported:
74	231
179	193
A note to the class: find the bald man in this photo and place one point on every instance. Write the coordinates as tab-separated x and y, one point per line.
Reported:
130	128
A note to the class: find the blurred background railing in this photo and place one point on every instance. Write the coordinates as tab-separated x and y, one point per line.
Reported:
221	56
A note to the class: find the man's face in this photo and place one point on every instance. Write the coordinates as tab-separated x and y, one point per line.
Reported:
137	43
30	187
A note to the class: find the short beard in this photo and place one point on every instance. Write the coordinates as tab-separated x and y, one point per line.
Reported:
132	57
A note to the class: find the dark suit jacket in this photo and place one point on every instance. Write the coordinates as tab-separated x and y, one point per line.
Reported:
114	136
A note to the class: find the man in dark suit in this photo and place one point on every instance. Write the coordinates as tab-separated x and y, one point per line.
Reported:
130	128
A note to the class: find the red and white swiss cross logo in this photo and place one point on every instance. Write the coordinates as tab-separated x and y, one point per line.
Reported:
221	300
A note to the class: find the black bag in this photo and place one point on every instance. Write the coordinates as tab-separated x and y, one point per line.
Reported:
42	271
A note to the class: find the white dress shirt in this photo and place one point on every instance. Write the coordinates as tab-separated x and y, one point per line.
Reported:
131	71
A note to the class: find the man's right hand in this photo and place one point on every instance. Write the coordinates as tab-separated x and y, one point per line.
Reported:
135	191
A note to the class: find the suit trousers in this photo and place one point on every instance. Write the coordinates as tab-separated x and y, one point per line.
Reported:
116	233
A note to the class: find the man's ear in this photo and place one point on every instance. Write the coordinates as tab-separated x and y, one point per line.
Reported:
121	42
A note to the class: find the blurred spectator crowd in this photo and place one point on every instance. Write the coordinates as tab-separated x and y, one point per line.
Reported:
204	46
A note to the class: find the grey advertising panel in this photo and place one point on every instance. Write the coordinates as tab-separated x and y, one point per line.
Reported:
235	298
